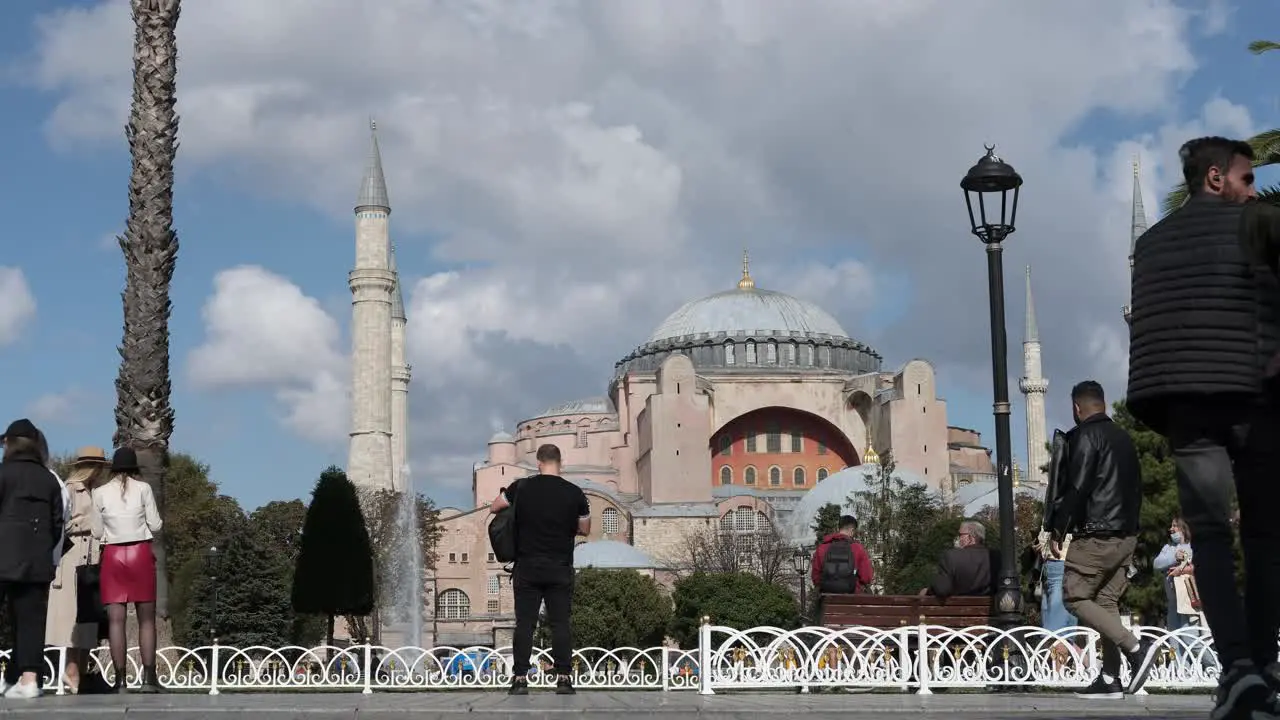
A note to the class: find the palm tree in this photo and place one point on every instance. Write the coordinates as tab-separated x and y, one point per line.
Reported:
144	418
1266	150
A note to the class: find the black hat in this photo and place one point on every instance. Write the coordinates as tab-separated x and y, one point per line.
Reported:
124	461
23	428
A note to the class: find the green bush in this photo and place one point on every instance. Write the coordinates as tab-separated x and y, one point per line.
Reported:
738	600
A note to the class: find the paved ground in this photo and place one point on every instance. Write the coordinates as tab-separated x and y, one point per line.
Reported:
599	706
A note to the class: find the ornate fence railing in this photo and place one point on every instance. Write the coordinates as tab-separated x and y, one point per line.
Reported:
913	658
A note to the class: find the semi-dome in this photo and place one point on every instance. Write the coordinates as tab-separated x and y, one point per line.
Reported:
748	310
837	489
611	555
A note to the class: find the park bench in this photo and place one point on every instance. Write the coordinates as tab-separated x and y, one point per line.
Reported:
886	612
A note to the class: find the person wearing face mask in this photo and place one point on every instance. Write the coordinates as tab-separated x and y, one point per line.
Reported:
1174	560
968	567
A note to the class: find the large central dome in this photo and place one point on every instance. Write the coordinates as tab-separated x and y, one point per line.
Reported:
748	310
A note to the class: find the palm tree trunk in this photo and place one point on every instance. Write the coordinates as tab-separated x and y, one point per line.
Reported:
144	418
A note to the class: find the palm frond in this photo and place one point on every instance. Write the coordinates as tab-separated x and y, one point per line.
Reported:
1174	199
1266	147
1270	194
1257	47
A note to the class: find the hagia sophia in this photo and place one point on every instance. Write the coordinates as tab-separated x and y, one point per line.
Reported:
741	409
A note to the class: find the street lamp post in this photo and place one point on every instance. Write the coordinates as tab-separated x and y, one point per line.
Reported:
800	563
213	577
992	185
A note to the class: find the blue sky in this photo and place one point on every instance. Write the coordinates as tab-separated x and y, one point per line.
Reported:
64	200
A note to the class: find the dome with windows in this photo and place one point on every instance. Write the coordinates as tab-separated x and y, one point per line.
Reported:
837	489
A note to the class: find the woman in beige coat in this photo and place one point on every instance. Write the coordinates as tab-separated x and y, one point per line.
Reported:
61	628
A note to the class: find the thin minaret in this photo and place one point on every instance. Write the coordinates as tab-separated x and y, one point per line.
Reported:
400	375
1034	385
1138	222
373	286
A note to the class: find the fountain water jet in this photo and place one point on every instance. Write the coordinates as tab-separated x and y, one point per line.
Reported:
405	571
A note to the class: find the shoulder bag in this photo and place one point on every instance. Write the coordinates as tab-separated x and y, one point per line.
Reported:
89	607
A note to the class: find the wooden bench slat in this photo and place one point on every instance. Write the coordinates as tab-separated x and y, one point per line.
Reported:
893	611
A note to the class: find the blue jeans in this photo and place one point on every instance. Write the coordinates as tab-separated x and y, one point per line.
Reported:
1053	614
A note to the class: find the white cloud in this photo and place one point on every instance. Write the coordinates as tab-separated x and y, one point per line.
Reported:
584	168
57	407
17	304
261	330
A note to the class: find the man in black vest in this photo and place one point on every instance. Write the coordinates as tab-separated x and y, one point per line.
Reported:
1203	373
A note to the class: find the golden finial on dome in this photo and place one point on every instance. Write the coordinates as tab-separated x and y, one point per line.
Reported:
746	283
870	457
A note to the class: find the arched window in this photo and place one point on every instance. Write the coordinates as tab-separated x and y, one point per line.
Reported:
749	476
611	521
771	353
797	476
822	474
726	444
775	476
751	352
728	353
453	604
726	475
797	441
751	441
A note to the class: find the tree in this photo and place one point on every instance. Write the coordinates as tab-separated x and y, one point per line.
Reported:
334	573
737	599
826	521
1266	150
243	598
383	512
619	608
144	414
279	523
721	548
1028	515
899	524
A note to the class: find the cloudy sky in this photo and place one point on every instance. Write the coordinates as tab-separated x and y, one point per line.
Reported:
563	174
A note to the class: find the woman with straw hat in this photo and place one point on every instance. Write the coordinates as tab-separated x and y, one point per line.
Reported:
88	469
125	519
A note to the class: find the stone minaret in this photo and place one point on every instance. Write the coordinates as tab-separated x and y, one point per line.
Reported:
373	287
1033	386
400	374
1138	223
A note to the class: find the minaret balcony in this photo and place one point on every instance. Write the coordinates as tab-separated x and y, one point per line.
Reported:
1033	385
370	280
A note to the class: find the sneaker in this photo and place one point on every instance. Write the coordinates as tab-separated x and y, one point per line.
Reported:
1102	689
1140	662
519	686
1243	693
23	691
564	686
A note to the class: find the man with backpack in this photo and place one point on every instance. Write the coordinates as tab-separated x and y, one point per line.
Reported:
840	564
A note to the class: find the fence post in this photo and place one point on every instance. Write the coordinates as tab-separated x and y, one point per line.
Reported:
62	671
665	669
214	669
922	659
704	657
368	668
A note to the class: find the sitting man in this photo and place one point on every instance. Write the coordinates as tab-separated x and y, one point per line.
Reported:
969	568
840	564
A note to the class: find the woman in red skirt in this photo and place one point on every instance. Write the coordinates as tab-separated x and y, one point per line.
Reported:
125	521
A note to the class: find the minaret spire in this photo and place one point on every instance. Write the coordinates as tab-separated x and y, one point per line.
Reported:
1138	220
1032	332
746	283
373	187
1034	386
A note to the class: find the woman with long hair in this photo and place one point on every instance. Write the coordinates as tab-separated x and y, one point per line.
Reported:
1174	559
88	469
125	520
31	513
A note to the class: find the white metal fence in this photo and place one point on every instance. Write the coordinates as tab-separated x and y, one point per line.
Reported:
913	658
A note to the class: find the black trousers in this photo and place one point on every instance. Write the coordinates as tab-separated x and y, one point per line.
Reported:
27	605
1220	448
539	580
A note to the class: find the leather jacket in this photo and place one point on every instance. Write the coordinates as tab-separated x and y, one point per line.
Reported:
1095	482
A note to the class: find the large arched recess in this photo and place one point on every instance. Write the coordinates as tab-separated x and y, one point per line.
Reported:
803	448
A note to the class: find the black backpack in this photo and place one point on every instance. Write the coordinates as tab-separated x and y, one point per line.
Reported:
839	573
502	529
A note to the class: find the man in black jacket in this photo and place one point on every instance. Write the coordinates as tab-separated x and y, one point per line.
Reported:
1097	497
1204	333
